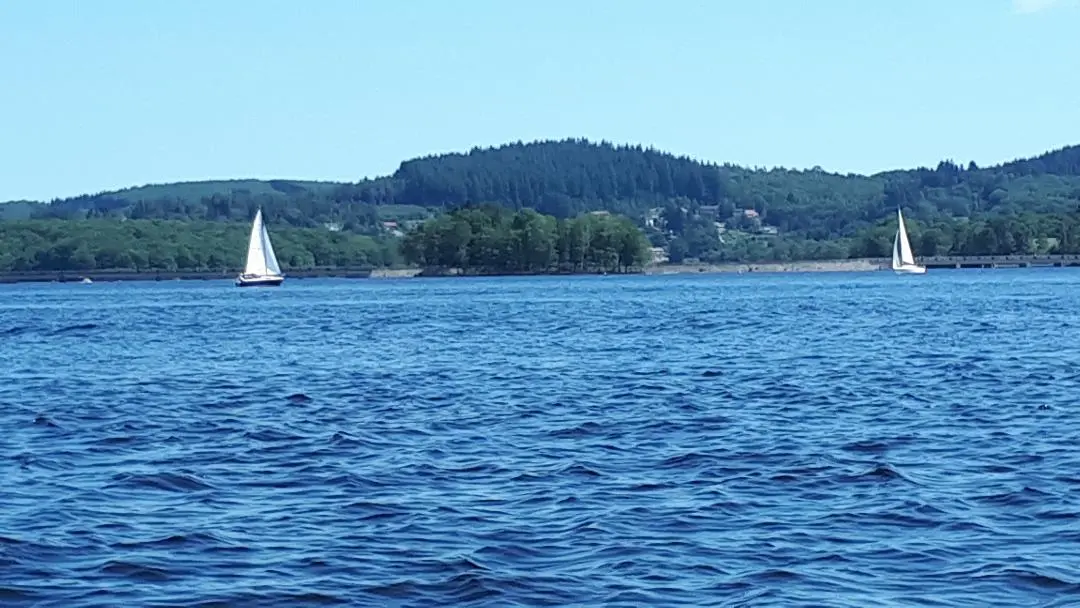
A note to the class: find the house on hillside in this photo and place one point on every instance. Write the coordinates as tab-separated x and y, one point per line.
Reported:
653	217
393	228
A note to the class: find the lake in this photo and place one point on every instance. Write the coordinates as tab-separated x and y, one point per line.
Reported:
833	439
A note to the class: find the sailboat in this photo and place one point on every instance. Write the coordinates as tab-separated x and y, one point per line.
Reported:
261	268
903	261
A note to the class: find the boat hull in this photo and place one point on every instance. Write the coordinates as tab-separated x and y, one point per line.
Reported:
243	281
910	270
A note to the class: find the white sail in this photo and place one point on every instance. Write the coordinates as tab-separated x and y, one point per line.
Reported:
261	267
896	262
906	257
271	262
256	256
903	260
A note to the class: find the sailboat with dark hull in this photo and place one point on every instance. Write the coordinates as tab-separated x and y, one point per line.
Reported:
261	268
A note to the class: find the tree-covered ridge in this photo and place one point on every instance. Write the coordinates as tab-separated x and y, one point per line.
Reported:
198	190
490	239
568	177
299	204
19	210
694	209
176	245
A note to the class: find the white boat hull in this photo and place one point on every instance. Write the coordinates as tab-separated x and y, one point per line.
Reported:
259	281
910	269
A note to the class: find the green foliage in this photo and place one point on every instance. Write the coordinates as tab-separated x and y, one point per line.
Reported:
489	239
299	204
29	245
198	190
404	212
984	234
19	210
569	177
813	213
981	235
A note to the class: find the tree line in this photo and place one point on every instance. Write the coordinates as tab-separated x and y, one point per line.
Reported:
569	177
492	239
51	245
479	239
488	239
981	235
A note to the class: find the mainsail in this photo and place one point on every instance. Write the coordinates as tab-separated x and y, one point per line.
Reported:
902	255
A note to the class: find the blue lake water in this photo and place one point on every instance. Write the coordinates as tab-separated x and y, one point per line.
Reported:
838	439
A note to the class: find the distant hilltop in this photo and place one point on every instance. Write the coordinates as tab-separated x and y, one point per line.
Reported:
565	178
686	210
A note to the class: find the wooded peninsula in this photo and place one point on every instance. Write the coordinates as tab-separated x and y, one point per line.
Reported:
557	206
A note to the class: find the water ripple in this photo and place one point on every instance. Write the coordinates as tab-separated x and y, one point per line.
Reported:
844	440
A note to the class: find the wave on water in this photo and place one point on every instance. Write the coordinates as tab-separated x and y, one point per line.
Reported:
631	441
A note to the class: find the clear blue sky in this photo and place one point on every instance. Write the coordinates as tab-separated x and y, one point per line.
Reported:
104	94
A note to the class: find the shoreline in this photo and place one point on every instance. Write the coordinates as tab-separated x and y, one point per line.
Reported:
106	276
852	265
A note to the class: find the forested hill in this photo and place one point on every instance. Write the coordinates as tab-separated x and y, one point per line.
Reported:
564	178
